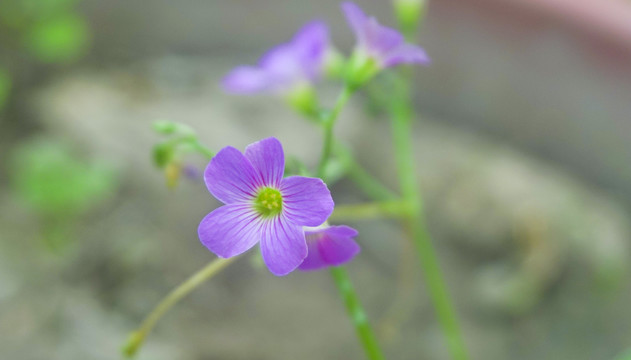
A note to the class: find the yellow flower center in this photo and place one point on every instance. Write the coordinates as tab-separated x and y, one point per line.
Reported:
268	202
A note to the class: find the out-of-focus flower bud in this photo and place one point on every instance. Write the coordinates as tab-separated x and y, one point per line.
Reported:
409	13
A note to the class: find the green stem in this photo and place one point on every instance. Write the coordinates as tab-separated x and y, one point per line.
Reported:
203	150
137	337
343	282
402	115
364	180
356	313
328	124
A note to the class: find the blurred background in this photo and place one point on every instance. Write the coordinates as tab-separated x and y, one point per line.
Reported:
523	148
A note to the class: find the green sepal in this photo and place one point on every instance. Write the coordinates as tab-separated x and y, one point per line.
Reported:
360	69
163	154
409	13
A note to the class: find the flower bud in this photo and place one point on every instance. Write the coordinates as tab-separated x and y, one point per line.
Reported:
361	68
409	13
304	100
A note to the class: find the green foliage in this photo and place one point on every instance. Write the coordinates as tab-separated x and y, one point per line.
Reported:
163	153
59	39
54	181
50	31
5	87
21	14
624	356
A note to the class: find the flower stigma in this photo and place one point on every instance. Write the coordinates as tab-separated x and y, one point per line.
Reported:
268	202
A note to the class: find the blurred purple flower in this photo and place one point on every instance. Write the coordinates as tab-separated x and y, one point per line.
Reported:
383	44
285	67
191	172
329	246
262	206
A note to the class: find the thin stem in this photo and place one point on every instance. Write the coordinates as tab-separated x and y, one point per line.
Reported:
203	150
356	313
328	124
367	211
364	180
137	337
343	282
402	115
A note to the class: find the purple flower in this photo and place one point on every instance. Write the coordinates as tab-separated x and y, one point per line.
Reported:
382	44
329	246
286	67
262	206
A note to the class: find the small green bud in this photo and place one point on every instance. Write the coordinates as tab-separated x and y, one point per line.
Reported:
166	127
304	100
360	69
133	343
409	13
163	154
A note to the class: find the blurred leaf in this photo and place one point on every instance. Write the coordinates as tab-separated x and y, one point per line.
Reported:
46	7
60	39
166	127
22	14
5	87
49	178
624	356
163	153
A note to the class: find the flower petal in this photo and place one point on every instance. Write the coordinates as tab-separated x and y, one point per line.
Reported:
245	80
306	201
230	230
406	54
311	44
356	19
381	39
283	245
314	260
282	66
332	246
230	177
268	159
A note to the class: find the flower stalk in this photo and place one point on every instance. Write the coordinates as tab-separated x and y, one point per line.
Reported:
137	338
356	313
340	276
402	115
328	124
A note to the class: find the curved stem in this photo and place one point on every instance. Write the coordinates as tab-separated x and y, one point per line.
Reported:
356	313
203	150
342	281
364	180
137	337
328	124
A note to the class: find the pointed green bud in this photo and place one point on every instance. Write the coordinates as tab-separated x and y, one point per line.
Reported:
409	13
163	154
134	342
166	127
304	100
